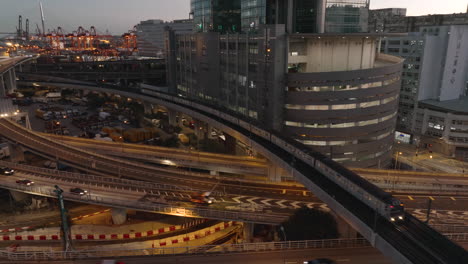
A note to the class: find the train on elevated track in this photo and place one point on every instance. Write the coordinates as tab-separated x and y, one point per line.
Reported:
382	202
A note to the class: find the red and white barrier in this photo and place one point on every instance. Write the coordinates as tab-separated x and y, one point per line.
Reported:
19	229
104	236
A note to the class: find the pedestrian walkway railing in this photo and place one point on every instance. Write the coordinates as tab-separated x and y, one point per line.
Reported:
188	250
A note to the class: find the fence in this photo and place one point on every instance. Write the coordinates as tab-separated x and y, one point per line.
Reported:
189	250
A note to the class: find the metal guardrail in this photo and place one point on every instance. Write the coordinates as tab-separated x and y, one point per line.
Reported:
447	229
100	180
459	237
120	202
188	250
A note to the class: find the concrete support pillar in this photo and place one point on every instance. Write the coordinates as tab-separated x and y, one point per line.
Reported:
231	144
344	229
148	108
248	232
2	86
119	215
200	129
11	81
19	196
172	115
16	153
209	129
274	172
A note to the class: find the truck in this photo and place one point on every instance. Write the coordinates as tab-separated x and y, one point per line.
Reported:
184	139
4	150
42	114
54	95
104	115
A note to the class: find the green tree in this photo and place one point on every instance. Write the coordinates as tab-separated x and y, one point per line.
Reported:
310	224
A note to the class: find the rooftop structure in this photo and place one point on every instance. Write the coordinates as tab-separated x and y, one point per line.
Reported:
395	20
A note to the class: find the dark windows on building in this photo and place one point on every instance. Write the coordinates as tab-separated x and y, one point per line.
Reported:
346	16
306	16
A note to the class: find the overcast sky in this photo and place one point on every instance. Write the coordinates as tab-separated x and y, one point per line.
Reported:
118	16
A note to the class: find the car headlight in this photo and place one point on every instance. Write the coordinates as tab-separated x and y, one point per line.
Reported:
392	219
400	217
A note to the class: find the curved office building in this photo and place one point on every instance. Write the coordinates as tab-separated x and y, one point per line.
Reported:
342	97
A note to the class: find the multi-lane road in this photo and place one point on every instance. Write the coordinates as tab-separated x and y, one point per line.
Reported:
238	195
391	180
276	205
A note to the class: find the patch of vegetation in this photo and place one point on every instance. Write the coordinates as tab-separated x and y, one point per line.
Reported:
310	224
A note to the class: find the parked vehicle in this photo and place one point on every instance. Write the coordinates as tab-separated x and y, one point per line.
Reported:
42	114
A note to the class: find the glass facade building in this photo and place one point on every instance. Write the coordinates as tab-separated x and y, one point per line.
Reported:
253	14
216	15
347	16
225	16
202	15
306	13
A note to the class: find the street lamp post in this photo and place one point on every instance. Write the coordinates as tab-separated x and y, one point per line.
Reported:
396	159
284	233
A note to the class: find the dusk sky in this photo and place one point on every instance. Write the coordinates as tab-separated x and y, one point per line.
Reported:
118	16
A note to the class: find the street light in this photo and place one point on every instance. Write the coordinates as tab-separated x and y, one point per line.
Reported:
396	159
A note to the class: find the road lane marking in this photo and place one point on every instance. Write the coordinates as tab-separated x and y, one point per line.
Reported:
411	198
432	198
296	204
284	191
453	199
265	202
280	203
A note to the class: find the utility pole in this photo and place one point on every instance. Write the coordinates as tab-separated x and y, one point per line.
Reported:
66	236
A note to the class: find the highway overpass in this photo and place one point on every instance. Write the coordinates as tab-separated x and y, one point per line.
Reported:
391	180
411	242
